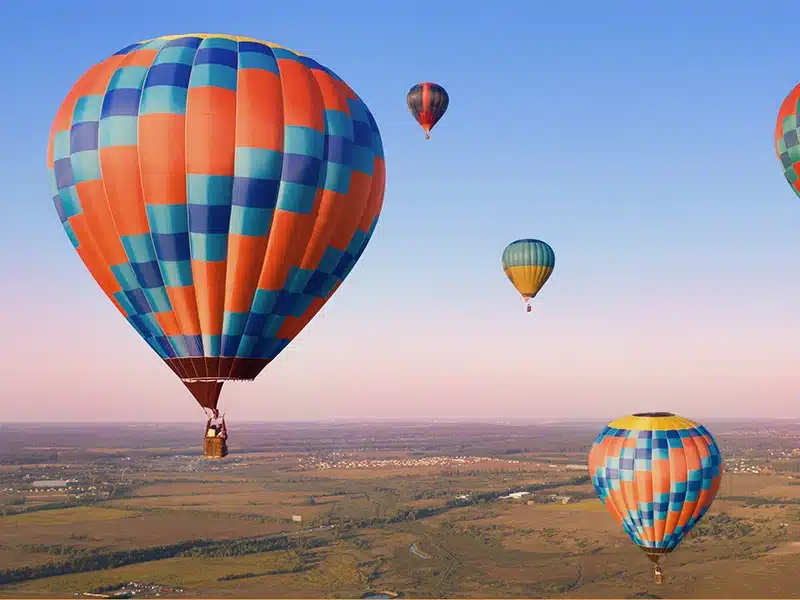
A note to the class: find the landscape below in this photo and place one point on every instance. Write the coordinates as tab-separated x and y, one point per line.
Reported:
350	509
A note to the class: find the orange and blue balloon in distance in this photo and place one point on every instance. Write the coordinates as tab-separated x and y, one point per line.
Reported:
787	140
528	264
219	189
657	474
427	103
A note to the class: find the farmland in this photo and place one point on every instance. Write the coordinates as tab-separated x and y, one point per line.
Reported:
340	510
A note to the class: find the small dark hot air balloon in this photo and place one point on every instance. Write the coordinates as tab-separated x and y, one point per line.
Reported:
427	102
657	474
219	189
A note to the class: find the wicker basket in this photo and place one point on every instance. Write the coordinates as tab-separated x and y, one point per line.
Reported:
214	447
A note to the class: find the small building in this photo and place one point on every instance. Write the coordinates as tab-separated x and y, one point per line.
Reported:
517	495
297	518
50	483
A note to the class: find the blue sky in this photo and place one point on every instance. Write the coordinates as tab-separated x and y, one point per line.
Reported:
636	140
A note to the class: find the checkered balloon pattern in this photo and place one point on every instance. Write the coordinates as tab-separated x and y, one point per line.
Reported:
657	474
787	142
219	189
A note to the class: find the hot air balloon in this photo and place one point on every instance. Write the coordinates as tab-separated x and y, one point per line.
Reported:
657	474
528	264
787	143
219	189
427	102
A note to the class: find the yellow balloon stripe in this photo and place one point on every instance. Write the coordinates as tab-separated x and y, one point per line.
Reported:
645	423
528	279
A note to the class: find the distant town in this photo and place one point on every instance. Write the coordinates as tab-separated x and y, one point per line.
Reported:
337	460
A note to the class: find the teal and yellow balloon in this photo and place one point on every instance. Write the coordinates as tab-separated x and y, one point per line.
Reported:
528	264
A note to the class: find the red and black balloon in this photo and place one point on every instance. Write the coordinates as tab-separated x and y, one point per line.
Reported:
427	102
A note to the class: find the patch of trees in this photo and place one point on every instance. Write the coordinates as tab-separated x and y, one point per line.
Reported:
724	526
59	549
430	494
95	561
90	560
759	501
243	547
250	575
8	511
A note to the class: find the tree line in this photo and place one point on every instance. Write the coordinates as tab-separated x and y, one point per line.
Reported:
84	560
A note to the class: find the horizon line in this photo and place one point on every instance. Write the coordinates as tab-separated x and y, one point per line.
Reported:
357	420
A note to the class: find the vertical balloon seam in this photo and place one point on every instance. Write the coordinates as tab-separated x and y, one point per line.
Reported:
710	449
293	277
415	102
175	342
687	511
187	330
338	226
689	446
665	531
90	240
631	502
269	331
193	247
648	533
441	104
143	199
426	106
186	374
148	325
161	44
276	195
184	327
236	134
377	187
143	193
339	206
436	103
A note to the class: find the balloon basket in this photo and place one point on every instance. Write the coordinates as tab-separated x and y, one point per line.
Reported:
528	308
215	447
658	573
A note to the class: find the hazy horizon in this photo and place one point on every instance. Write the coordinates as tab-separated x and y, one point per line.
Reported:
411	420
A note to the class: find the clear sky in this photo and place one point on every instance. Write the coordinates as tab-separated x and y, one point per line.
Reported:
636	140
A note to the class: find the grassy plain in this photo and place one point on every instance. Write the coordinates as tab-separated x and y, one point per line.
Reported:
358	526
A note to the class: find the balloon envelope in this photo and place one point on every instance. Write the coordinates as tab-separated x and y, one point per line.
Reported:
657	474
219	189
528	264
787	143
427	102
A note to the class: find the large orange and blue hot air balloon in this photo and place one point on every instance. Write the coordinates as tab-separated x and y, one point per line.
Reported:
219	189
528	264
787	138
427	103
657	474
